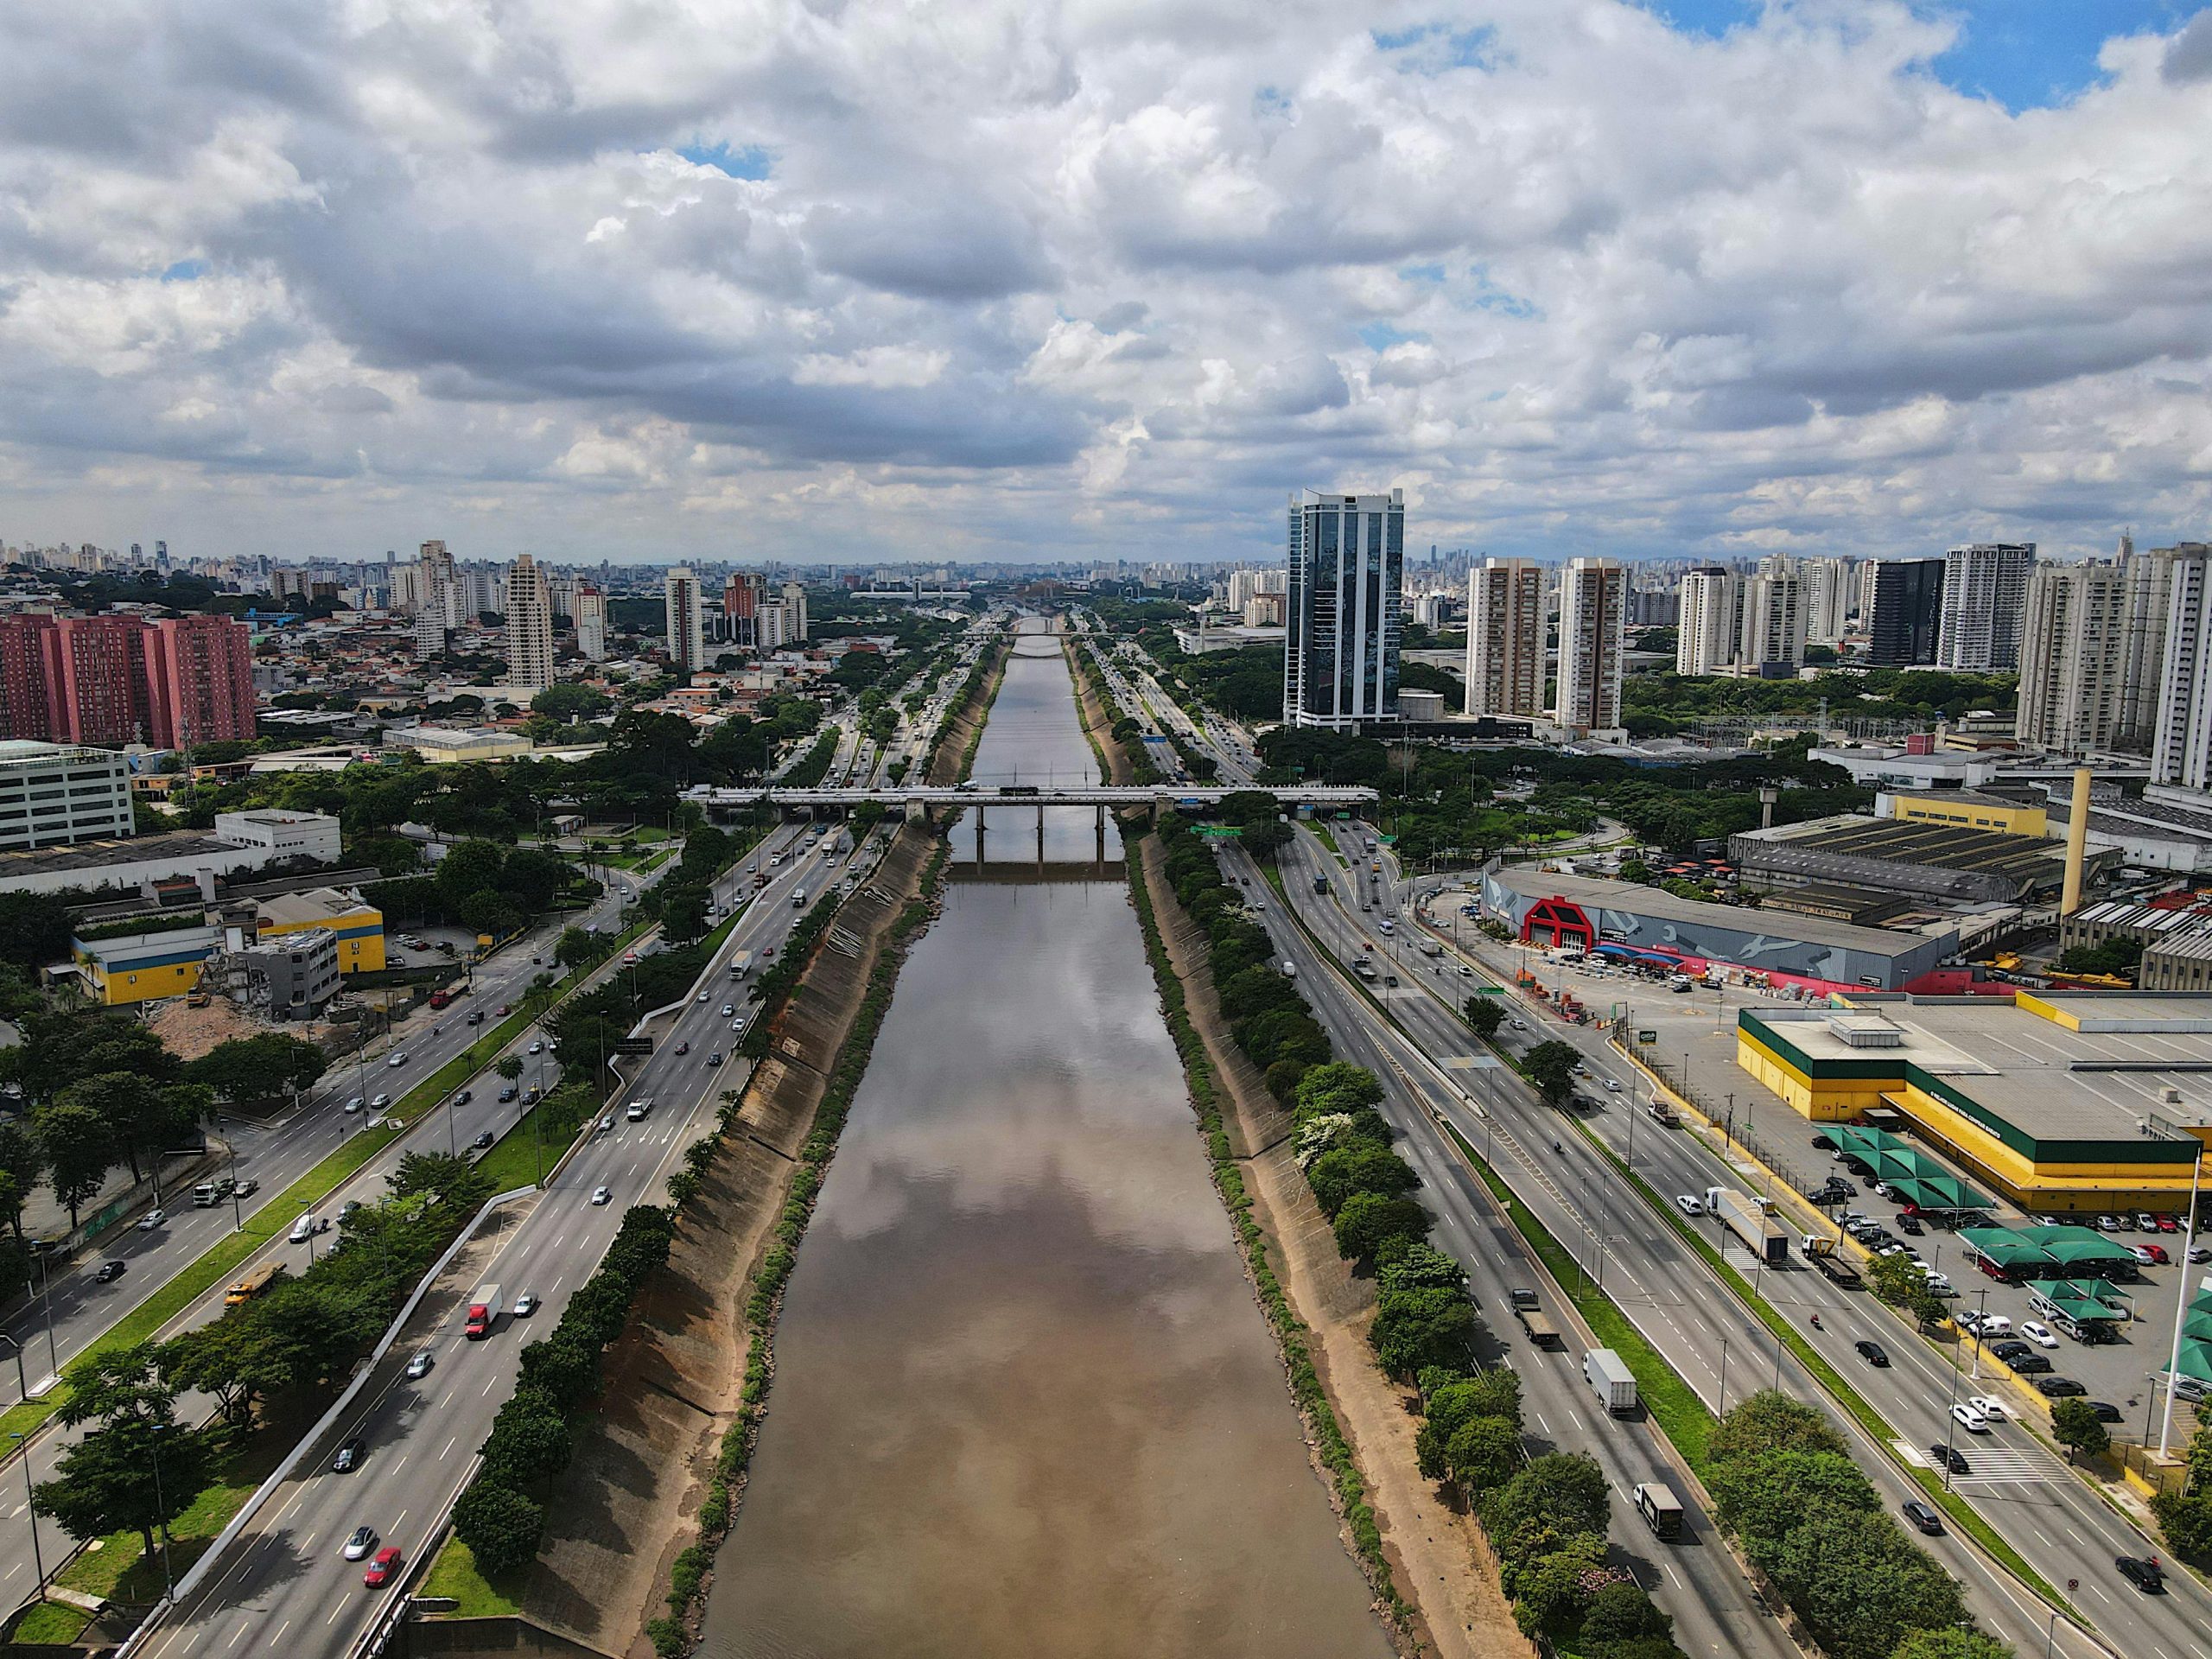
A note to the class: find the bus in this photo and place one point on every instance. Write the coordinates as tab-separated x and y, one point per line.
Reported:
256	1281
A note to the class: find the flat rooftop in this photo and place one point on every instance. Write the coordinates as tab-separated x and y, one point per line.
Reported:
1914	841
97	855
1595	892
2096	1083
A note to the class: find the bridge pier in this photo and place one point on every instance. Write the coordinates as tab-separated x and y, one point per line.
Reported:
1102	832
1040	835
979	834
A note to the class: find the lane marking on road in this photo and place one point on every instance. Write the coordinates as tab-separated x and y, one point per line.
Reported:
442	1456
238	1635
334	1611
280	1629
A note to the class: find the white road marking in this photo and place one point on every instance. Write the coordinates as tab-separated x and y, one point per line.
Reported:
334	1611
442	1456
237	1636
280	1629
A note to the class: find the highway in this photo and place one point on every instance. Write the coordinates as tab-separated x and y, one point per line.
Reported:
285	1585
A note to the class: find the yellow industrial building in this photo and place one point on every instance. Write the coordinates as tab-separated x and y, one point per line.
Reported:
1969	810
357	924
2062	1102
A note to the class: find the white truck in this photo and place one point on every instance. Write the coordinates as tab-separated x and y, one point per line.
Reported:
1610	1380
799	898
1748	1219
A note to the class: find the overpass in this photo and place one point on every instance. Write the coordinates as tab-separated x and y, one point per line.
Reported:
918	799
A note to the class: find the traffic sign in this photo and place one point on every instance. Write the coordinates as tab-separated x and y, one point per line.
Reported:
633	1046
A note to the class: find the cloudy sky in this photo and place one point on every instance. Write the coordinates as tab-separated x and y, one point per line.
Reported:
731	279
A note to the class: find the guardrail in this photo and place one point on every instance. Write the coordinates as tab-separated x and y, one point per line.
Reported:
198	1571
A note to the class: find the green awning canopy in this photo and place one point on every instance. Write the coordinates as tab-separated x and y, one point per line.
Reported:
2078	1302
1937	1192
2195	1361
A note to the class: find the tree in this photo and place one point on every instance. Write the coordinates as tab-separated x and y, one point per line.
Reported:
499	1525
1895	1279
1334	1176
1427	1326
1481	1455
1369	1218
77	1147
1859	1584
2186	1515
232	1358
131	1475
509	1067
569	701
578	948
528	1441
1550	1596
1485	1014
2074	1424
1338	1086
1564	1490
532	879
471	867
1765	1494
142	1118
1421	1265
489	912
684	913
1550	1065
1771	1421
1950	1645
34	929
261	1068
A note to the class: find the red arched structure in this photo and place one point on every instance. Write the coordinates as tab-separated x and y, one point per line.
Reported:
1562	920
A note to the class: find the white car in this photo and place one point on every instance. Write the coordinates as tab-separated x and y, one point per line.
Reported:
1689	1206
398	1059
1992	1408
536	1046
728	1008
152	1219
703	996
1996	1324
2039	1333
1612	1087
1939	1284
302	1230
1968	1419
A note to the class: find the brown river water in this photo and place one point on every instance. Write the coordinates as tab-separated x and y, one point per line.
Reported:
1025	1403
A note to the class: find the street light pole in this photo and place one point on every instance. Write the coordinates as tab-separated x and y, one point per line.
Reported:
38	1562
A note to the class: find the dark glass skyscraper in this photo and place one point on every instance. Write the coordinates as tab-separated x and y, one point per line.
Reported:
1908	612
1346	558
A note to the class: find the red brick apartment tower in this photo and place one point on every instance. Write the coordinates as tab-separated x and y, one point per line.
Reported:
104	683
202	679
30	677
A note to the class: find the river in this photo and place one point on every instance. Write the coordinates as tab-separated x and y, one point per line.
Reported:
1025	1402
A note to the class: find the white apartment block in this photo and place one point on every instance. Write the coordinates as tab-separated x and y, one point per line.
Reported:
1830	590
1711	616
1505	638
2073	657
1985	606
590	616
2181	752
1772	630
1593	613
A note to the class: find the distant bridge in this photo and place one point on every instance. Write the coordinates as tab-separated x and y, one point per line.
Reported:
923	798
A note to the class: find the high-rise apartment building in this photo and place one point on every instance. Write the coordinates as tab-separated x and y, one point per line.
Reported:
113	680
1592	611
529	626
1347	559
199	671
1708	622
2150	602
1505	638
741	608
1904	615
2181	751
2073	656
437	599
1830	592
687	622
1985	606
1770	635
591	622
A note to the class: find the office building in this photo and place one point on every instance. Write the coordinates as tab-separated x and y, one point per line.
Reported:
591	623
2073	657
286	837
2181	750
1592	610
199	672
52	794
1985	606
1505	638
1346	558
1830	593
1709	619
529	626
356	925
1904	612
687	622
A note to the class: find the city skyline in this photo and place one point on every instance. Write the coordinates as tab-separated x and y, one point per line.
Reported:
802	281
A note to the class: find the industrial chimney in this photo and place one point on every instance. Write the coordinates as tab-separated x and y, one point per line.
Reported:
2077	843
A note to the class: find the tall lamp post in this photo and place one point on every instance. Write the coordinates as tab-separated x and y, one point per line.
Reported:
38	1562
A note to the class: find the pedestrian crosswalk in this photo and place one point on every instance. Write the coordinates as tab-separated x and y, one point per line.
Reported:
1988	1463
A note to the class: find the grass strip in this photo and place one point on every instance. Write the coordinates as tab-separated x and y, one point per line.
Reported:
1682	1416
219	1261
1289	1331
56	1624
453	1574
120	1568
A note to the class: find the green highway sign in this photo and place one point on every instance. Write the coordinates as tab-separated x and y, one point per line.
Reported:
1646	1037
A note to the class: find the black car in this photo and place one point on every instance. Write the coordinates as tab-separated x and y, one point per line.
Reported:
1949	1457
1825	1142
109	1272
476	1017
2056	1388
1911	1226
2143	1571
2107	1412
1923	1517
482	1141
1872	1353
349	1456
509	1092
464	1097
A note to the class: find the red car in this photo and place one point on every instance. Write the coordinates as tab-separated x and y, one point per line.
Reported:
382	1568
2157	1254
2169	1224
